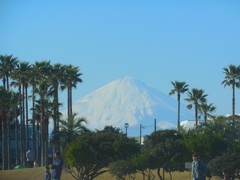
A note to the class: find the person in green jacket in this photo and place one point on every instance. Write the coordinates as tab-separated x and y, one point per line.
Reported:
199	168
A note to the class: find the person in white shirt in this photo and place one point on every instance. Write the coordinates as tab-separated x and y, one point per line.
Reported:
30	157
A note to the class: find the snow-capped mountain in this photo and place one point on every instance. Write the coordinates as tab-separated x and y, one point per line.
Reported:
131	101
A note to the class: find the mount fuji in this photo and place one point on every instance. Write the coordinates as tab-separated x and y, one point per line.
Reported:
131	101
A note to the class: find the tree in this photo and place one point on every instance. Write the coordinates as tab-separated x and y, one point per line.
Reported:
196	97
8	101
43	90
168	150
122	169
88	156
205	143
144	162
232	77
71	77
21	74
57	72
7	66
214	137
179	88
69	130
33	80
206	110
228	162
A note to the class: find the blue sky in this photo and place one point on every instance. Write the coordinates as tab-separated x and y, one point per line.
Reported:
155	41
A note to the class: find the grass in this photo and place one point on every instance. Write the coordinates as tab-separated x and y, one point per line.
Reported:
38	174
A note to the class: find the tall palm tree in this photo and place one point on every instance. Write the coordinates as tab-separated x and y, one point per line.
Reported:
24	72
43	91
206	110
21	76
8	101
7	66
57	72
70	79
179	88
232	78
70	128
43	69
33	80
195	98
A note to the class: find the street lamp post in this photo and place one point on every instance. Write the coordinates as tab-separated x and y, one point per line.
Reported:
126	125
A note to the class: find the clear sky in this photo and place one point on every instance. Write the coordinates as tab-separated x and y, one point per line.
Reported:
156	41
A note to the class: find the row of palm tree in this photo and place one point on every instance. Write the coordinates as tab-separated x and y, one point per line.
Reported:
45	80
198	99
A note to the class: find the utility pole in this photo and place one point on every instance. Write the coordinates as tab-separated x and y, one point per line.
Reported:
155	125
140	134
126	125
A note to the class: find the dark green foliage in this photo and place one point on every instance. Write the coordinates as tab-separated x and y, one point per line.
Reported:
227	162
122	169
167	150
94	151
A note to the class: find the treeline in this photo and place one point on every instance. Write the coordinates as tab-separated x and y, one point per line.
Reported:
44	80
91	154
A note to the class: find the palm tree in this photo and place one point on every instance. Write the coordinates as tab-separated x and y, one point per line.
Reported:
57	72
21	77
43	91
8	101
206	110
70	128
43	69
7	66
70	79
24	72
33	80
196	97
232	77
17	83
179	88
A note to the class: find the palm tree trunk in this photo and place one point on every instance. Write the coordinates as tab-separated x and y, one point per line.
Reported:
16	137
23	120
8	143
56	117
34	127
42	133
178	112
46	141
7	78
4	82
69	102
27	126
4	141
38	143
205	118
21	126
196	115
233	100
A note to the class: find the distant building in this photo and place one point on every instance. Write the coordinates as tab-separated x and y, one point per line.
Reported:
188	124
